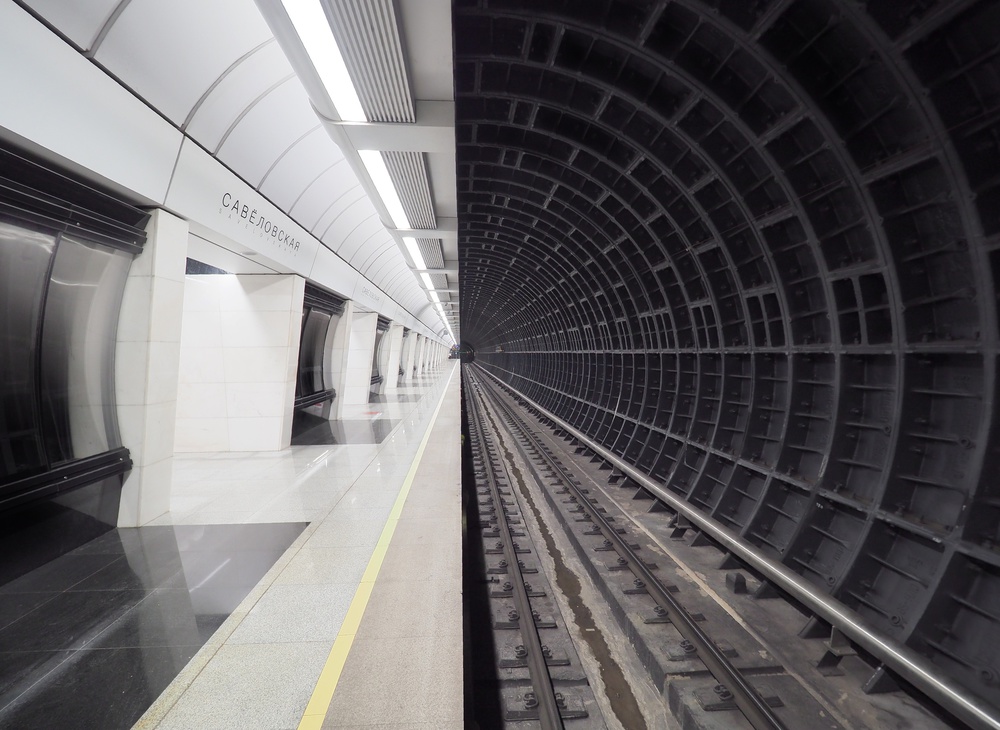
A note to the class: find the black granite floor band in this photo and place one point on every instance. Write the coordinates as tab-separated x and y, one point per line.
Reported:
309	430
92	638
394	398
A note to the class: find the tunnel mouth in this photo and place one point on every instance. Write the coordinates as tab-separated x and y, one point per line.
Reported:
751	248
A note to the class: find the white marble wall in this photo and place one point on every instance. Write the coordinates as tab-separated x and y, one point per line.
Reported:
406	359
336	358
415	370
361	349
146	367
239	359
395	352
421	354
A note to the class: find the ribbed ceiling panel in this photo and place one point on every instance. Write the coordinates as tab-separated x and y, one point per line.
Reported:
409	174
430	248
369	39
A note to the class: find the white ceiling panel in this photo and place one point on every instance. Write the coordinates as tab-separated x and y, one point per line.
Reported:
441	171
316	199
235	91
395	283
342	195
381	265
352	230
80	20
391	277
170	53
327	224
427	39
350	209
361	253
379	253
386	265
305	161
269	128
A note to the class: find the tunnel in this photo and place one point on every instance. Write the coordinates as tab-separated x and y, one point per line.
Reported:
749	247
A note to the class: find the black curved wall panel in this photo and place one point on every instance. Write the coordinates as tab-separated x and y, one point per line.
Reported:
751	247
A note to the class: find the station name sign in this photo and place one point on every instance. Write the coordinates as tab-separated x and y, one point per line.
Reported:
371	294
259	224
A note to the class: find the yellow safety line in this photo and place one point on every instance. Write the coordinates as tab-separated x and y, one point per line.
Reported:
319	703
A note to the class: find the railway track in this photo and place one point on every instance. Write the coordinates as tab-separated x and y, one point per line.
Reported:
711	671
733	685
540	681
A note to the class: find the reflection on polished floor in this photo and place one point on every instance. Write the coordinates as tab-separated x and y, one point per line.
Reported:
310	430
396	397
101	631
222	612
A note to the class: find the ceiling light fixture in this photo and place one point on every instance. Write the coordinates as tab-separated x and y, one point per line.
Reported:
414	250
426	278
440	310
313	28
379	175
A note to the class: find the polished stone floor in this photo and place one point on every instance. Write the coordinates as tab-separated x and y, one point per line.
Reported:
100	632
309	430
262	669
222	612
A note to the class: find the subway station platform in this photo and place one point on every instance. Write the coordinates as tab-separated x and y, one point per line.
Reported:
318	586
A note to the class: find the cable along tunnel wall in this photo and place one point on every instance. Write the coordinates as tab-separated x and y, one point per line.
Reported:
750	247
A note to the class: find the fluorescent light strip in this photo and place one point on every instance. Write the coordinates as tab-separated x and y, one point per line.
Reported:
414	250
379	174
313	27
427	281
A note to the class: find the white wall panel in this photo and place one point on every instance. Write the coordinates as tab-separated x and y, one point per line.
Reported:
148	367
368	295
80	20
201	190
361	347
236	392
332	272
83	116
390	310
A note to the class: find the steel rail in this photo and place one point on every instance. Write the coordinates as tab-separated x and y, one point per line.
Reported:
548	708
974	711
750	702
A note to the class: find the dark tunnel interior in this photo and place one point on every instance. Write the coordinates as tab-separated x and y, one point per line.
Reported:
750	246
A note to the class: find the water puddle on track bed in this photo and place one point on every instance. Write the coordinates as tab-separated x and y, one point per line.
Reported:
617	688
